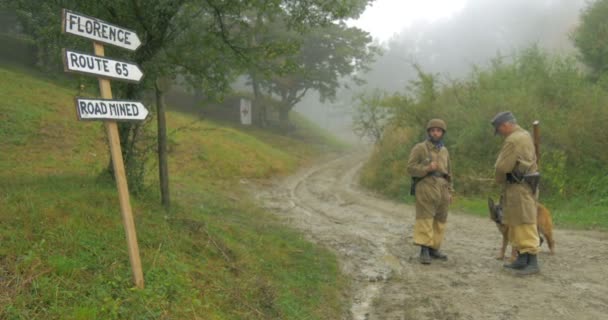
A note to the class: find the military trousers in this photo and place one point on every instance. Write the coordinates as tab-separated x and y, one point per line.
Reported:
432	202
524	238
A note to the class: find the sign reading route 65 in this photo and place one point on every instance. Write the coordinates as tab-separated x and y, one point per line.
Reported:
78	62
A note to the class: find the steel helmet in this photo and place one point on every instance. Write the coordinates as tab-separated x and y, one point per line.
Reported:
436	123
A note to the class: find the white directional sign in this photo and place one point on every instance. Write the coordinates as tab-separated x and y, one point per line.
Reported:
104	109
90	64
98	30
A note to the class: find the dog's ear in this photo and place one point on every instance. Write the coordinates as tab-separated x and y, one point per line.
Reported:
490	204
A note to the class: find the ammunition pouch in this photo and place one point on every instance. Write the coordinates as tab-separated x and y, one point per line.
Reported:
533	180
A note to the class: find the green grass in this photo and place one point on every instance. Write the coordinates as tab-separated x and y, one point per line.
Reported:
477	207
579	213
23	112
215	255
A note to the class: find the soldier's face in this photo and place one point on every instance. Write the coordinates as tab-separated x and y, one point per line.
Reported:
504	129
435	134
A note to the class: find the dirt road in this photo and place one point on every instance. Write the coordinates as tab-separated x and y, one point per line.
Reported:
373	240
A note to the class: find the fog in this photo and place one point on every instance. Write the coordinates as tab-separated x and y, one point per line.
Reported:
451	46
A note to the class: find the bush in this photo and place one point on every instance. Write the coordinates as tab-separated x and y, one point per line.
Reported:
534	86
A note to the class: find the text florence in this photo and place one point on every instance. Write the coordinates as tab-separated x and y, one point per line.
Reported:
98	29
114	109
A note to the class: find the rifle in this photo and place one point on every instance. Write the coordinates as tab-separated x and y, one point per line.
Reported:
536	137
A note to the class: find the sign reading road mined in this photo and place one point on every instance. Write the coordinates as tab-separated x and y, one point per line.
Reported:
106	109
98	30
90	64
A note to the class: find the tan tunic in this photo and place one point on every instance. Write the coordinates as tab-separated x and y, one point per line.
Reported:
432	193
517	155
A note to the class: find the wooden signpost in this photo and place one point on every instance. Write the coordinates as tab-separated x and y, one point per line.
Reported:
107	109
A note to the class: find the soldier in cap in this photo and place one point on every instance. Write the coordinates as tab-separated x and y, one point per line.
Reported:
430	168
517	161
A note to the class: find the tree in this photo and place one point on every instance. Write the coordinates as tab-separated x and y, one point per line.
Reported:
371	116
325	56
591	37
276	39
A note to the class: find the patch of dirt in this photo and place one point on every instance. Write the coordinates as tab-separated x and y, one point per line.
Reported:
372	237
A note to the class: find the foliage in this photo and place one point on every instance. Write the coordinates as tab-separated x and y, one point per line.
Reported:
591	37
371	116
326	54
535	86
386	170
296	61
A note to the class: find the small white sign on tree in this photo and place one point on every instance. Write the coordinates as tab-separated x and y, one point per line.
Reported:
246	111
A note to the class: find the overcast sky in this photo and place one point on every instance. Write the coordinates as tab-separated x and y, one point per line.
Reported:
384	18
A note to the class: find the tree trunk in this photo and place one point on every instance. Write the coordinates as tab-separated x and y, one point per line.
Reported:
284	118
163	170
258	106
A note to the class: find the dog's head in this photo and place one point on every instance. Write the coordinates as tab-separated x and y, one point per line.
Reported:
495	210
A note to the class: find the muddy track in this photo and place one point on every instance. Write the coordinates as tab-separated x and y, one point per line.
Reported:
372	238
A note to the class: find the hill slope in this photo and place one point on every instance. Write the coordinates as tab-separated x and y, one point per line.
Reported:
215	256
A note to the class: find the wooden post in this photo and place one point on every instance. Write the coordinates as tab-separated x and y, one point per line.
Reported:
121	181
162	85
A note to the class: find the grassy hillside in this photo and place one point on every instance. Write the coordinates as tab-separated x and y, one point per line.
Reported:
215	256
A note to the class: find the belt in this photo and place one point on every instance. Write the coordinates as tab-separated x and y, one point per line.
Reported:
512	180
438	174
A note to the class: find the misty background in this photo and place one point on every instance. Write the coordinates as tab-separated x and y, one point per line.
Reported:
452	46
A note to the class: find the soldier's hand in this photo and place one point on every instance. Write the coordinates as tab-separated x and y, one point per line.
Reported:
432	166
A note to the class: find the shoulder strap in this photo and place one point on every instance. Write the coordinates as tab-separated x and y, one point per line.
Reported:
428	151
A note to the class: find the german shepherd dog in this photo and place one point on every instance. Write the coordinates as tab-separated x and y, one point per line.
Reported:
543	220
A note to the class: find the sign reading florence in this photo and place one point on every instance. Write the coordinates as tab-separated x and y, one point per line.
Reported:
107	68
99	30
105	109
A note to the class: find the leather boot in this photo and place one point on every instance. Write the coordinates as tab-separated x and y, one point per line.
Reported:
532	266
436	254
520	263
425	257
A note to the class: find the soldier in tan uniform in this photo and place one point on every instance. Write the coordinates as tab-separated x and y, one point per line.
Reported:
429	166
515	164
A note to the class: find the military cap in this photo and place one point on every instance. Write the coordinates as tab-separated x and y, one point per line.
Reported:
501	118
